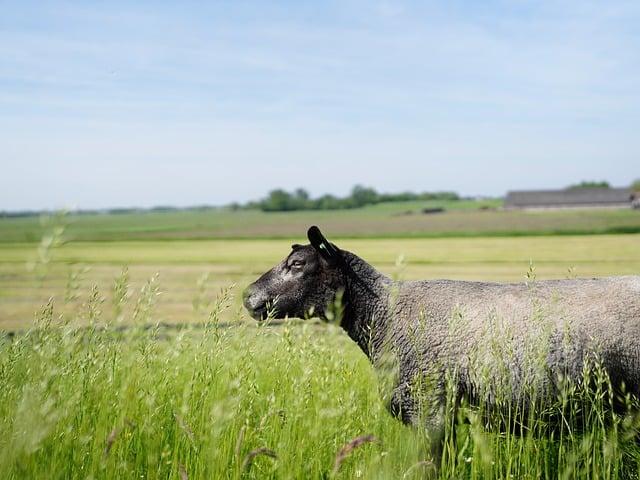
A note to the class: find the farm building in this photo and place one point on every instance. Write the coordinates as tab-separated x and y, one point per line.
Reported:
571	198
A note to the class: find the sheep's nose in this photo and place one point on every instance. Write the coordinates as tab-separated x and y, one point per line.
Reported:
253	302
245	294
246	298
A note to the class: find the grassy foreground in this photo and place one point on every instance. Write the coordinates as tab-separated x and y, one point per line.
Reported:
294	401
96	389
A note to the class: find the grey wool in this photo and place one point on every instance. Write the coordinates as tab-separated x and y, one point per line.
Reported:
496	342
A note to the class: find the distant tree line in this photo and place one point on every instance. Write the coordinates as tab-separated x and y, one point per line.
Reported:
635	185
280	200
589	184
109	211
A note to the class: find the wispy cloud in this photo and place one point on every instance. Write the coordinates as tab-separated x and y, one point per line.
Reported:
474	87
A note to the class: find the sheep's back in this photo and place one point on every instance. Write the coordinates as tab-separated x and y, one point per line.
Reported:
495	329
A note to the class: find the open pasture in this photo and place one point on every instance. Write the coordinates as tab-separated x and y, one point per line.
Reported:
391	220
191	269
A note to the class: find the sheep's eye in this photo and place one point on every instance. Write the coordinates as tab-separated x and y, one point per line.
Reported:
296	264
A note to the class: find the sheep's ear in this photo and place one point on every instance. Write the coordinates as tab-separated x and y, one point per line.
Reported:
296	246
327	250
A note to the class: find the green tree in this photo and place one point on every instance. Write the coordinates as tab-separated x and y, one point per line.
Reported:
301	199
590	184
328	202
301	194
277	201
361	196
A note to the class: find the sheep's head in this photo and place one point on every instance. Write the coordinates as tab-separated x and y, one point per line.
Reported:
305	283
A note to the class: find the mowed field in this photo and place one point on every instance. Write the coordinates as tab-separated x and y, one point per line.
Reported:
223	397
200	251
187	270
390	220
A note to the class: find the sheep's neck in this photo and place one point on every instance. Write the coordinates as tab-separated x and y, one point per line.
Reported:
366	303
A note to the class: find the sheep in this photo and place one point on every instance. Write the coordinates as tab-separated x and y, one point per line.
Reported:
431	329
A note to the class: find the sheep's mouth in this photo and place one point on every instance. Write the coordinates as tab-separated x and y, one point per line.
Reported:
259	313
258	308
262	312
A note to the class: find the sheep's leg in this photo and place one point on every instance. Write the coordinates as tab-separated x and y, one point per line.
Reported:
425	413
402	405
434	422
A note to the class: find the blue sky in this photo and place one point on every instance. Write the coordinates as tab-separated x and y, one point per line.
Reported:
135	103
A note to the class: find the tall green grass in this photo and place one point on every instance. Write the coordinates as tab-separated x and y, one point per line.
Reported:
125	398
203	402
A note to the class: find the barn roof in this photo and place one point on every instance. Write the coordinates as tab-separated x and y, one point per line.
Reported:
569	197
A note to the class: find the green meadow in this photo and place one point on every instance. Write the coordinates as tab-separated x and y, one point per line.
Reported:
384	220
125	351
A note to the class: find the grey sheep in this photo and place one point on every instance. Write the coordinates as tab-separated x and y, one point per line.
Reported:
494	339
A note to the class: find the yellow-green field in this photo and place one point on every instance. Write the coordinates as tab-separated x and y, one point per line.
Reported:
75	267
390	220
